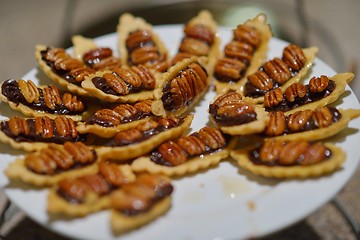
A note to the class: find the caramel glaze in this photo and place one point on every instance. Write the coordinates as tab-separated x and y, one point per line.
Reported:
73	74
206	141
182	90
254	156
10	89
310	124
147	190
309	97
34	137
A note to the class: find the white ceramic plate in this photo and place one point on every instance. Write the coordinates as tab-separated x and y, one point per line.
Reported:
221	203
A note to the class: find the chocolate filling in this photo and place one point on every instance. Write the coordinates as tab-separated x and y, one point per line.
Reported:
226	120
10	89
99	121
254	157
62	73
34	137
309	97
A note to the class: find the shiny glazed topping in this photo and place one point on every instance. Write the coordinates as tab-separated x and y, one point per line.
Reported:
41	129
229	109
123	81
101	59
141	195
182	90
123	113
143	51
279	153
47	99
102	183
62	64
54	160
141	132
298	94
300	121
238	54
173	153
276	72
197	42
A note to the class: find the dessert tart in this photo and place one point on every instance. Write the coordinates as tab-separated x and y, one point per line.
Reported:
290	159
107	122
129	144
140	202
243	55
140	45
309	124
187	154
200	39
236	115
97	58
121	84
319	92
280	73
35	101
33	134
63	69
48	166
181	87
80	196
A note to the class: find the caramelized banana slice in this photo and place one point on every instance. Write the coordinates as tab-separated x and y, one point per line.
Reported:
309	125
98	58
107	122
140	45
140	202
132	143
37	133
187	154
181	87
35	101
292	159
48	166
63	69
235	115
243	55
319	92
201	39
279	73
80	196
122	84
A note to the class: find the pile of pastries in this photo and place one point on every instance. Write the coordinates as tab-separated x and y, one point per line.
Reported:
112	131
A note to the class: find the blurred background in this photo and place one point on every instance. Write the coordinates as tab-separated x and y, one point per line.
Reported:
329	24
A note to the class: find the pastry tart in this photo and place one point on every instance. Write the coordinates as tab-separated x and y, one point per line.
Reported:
309	124
200	39
97	58
140	202
48	166
80	196
129	144
187	154
319	92
290	159
121	84
35	101
236	115
243	55
280	73
33	134
181	87
107	122
63	69
140	45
